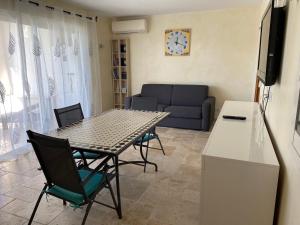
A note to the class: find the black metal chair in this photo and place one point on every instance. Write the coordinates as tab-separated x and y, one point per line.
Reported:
64	180
67	116
146	104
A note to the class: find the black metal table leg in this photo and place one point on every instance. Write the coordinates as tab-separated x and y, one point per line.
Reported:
118	186
143	163
145	159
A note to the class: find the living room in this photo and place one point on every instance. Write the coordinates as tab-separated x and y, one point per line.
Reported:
194	62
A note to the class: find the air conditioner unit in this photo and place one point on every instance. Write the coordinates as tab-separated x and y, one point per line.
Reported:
129	26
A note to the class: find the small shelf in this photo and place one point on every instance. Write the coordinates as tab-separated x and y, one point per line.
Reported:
120	66
123	80
120	71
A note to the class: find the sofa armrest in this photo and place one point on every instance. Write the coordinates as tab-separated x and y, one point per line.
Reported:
208	112
128	100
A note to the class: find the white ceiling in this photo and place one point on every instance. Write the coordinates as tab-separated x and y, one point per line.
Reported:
151	7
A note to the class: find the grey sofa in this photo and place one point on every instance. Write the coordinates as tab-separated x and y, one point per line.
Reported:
189	105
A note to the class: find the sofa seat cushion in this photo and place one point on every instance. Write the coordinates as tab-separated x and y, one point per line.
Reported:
161	107
184	112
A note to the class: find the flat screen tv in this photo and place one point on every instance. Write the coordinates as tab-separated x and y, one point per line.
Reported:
271	44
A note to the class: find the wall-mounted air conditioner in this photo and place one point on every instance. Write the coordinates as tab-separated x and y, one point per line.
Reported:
129	26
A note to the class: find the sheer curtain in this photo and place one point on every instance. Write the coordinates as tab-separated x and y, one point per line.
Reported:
48	59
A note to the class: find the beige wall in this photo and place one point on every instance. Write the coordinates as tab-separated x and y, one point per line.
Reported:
223	55
281	113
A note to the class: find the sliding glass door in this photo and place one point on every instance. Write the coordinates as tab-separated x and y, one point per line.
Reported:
48	60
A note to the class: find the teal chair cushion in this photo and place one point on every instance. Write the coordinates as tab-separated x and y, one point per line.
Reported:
74	197
87	155
147	137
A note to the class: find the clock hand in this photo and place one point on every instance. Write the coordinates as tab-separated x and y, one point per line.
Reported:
180	43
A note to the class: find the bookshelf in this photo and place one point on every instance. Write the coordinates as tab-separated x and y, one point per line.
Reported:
120	71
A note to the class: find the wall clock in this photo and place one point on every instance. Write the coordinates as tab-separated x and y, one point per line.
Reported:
177	42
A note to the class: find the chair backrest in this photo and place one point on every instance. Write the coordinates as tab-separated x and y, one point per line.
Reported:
144	103
68	115
56	160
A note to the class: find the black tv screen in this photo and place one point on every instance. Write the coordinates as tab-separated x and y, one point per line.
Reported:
271	43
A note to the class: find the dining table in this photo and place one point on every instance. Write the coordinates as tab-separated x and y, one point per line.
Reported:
111	133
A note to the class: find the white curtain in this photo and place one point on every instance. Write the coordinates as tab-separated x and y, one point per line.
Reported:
48	59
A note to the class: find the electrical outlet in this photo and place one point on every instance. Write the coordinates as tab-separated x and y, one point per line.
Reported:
270	96
279	3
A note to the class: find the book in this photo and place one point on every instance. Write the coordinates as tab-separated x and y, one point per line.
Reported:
115	73
115	60
124	75
123	62
123	48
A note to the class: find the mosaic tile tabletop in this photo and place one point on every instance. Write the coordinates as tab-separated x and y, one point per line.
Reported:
111	131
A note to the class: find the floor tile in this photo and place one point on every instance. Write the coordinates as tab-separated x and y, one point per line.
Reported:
5	200
47	210
8	219
23	193
170	196
10	181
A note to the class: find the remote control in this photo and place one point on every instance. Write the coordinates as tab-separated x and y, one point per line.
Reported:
234	117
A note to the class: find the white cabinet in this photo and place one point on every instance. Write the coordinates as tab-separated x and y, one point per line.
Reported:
239	170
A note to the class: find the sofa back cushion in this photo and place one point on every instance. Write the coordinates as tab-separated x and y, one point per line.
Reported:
162	92
189	95
144	103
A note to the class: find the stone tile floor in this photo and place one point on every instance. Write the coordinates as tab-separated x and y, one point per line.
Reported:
170	196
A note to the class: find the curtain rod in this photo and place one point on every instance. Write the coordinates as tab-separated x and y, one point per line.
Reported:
65	11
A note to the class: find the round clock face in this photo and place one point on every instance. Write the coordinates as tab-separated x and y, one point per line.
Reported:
177	43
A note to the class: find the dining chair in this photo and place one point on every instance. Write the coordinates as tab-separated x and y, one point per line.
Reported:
70	115
146	104
63	179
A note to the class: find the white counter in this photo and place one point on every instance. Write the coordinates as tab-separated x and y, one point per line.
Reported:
239	170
